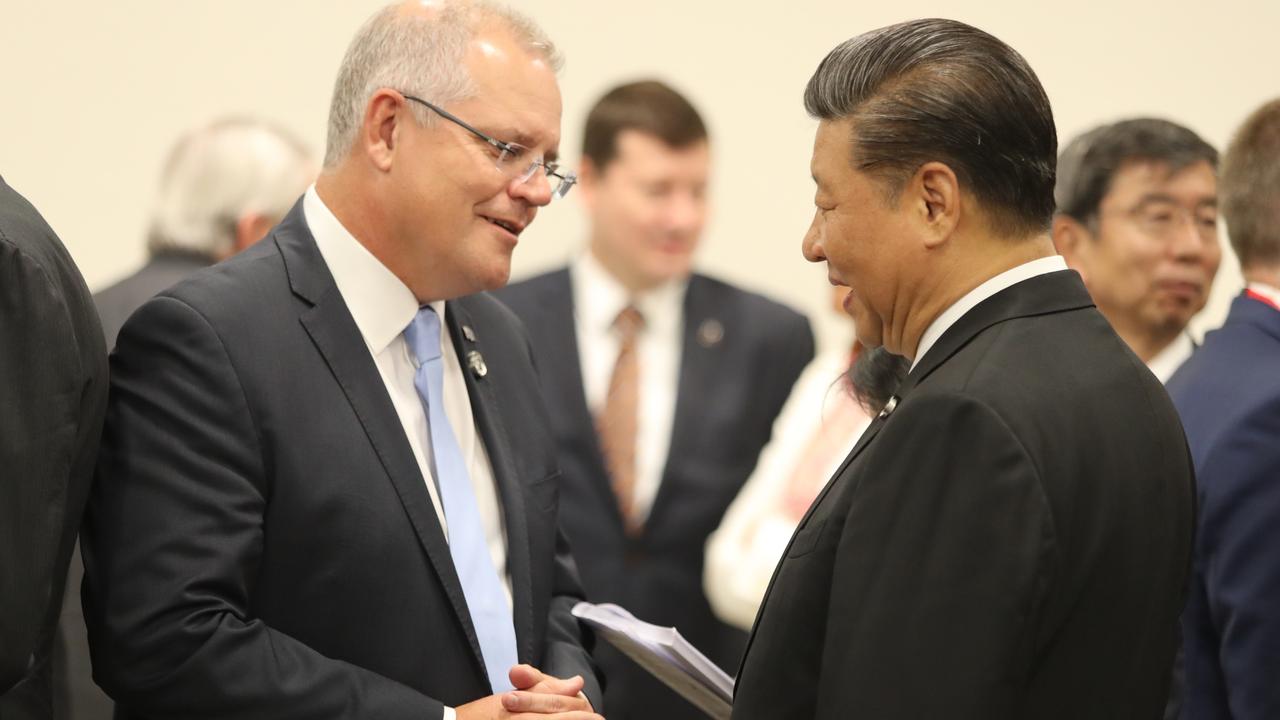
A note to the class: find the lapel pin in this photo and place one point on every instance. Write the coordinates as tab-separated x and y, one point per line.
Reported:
710	333
468	333
475	361
889	407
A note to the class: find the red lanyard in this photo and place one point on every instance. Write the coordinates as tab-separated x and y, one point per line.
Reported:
1261	298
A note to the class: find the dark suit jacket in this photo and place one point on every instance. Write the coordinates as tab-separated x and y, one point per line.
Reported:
53	391
729	393
1229	396
261	543
164	270
1011	542
76	697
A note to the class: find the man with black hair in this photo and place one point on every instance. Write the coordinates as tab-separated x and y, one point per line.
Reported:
1010	537
1138	219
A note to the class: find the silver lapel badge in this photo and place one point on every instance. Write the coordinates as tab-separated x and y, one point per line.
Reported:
710	333
889	407
468	333
475	361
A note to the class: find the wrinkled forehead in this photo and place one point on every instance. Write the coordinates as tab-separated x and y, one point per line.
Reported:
515	87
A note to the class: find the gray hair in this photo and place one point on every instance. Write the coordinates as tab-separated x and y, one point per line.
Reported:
418	55
219	173
1250	188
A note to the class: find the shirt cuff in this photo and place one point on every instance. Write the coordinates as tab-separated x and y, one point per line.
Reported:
449	713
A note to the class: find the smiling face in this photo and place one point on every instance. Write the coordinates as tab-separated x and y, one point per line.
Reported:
859	233
647	206
1150	260
454	214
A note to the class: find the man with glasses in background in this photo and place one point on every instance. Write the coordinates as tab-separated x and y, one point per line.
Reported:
1138	219
663	384
328	488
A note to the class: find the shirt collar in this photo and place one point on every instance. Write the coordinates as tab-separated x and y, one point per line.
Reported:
971	299
1165	362
1269	292
381	305
599	297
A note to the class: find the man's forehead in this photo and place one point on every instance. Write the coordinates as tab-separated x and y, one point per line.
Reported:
1142	175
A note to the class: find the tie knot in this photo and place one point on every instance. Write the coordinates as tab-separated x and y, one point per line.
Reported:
423	335
629	321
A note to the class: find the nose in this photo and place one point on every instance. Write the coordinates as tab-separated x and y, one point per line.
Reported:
536	190
685	213
1189	240
811	247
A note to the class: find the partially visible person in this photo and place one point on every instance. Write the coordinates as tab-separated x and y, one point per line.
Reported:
662	383
1138	219
223	187
1229	396
327	487
1010	537
836	396
53	394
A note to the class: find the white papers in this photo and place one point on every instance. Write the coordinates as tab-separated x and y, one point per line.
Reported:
665	654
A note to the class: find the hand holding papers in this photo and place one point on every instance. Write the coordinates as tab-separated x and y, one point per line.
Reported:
665	654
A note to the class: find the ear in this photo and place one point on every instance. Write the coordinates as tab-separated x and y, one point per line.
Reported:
379	131
250	228
937	196
1070	238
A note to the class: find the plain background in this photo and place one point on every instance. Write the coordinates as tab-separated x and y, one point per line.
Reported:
96	93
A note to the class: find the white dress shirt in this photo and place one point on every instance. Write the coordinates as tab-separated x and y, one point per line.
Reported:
971	299
597	300
1171	357
383	307
743	552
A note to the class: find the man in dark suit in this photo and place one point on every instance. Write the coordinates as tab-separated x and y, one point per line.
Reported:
224	186
658	420
53	393
1010	538
1229	396
327	489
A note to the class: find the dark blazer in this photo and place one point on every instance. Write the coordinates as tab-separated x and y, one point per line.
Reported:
1229	396
1012	541
76	696
163	270
740	357
53	392
260	542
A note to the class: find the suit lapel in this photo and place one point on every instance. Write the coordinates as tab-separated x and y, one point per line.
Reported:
337	338
703	358
562	378
1041	295
488	414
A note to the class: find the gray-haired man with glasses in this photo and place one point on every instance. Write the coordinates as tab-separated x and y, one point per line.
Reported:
328	488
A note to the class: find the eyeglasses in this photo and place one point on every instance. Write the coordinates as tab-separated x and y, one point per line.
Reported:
1161	220
512	156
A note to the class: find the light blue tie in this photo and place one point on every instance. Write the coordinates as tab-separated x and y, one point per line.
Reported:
490	613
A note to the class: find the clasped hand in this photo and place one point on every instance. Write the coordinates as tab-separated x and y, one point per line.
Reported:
536	695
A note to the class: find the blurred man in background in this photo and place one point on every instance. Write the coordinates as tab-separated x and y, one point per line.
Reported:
1229	396
662	383
1138	219
53	393
223	187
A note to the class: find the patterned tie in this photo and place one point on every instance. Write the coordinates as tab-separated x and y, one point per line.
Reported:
490	613
617	424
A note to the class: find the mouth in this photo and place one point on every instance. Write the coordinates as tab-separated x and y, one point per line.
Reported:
836	281
515	227
1181	288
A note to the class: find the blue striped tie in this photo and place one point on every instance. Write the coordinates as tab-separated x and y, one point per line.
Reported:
490	612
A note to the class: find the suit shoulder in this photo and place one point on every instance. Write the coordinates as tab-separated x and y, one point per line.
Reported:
250	282
534	291
754	303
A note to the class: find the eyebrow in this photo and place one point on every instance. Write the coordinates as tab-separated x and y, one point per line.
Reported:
1157	197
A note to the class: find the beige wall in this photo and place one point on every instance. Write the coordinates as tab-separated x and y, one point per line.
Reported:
94	93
